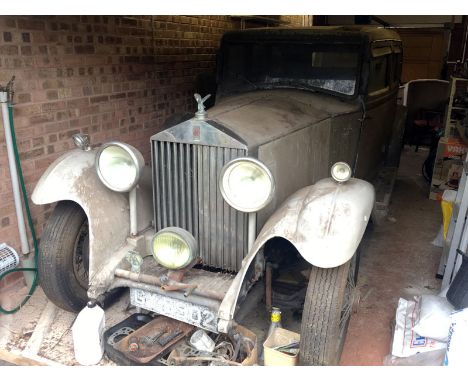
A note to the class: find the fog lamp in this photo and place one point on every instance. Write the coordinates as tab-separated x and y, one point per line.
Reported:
174	248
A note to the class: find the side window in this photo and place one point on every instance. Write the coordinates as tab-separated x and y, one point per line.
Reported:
378	75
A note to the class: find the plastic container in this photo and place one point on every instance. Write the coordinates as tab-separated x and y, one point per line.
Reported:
8	258
88	330
274	357
202	341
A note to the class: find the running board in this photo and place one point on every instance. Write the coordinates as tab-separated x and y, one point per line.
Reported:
383	184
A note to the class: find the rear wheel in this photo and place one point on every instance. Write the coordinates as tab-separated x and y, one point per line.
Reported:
64	257
328	305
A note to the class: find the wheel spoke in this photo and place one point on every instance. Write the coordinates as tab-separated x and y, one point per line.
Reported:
81	256
350	297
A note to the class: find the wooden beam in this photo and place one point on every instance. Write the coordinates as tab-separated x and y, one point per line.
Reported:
42	326
22	360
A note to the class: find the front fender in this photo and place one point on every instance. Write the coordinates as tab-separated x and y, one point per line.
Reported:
73	177
325	222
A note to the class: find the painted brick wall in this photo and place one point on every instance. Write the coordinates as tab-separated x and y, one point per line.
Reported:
112	77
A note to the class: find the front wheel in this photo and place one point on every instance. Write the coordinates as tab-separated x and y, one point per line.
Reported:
64	257
327	309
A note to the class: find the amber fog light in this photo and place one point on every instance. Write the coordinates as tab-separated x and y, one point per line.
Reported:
174	248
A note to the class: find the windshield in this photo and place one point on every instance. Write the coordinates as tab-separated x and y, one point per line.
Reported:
252	66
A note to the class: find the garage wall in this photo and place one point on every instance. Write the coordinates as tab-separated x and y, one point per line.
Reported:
112	77
424	52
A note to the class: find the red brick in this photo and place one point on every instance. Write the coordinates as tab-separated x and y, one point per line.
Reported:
113	77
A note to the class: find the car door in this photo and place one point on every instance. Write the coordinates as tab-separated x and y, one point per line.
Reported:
380	107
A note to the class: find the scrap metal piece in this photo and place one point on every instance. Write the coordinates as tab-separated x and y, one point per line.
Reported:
164	341
123	332
145	344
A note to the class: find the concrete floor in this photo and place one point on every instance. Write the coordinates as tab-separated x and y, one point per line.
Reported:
398	261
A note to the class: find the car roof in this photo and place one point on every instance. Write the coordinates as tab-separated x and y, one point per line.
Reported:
345	32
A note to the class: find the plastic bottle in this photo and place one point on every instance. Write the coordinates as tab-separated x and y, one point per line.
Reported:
275	319
88	331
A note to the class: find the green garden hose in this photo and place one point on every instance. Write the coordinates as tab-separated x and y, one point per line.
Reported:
30	223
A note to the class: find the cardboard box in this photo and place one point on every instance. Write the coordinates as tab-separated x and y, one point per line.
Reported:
178	355
448	166
273	357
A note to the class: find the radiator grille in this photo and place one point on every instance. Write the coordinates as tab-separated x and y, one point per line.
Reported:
186	193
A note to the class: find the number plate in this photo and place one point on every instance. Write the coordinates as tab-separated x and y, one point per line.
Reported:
185	311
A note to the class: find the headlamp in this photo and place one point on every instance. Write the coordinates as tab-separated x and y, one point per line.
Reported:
341	172
246	184
119	166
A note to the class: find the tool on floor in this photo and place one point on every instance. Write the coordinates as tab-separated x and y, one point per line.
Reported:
164	341
125	329
153	340
233	349
292	348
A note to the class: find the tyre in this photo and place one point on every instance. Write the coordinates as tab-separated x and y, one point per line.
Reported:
64	257
328	305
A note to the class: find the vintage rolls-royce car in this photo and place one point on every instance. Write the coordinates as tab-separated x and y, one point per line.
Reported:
190	234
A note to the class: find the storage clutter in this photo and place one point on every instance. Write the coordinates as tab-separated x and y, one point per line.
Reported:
429	331
452	147
147	340
281	348
448	166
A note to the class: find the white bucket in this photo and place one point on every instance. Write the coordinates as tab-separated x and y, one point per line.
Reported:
88	331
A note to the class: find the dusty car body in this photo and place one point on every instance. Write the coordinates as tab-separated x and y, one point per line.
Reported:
336	104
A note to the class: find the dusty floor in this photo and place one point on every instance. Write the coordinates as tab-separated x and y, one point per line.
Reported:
398	260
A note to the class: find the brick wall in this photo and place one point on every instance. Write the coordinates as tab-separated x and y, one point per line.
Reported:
111	77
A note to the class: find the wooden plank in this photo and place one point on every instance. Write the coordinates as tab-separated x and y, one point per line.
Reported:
44	323
22	360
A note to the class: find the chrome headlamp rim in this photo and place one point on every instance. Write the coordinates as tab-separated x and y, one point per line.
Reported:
136	157
185	236
263	168
341	179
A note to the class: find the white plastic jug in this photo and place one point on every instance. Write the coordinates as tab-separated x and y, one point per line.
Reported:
88	331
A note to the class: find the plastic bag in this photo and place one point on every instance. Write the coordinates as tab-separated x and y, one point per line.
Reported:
457	349
434	317
429	358
405	340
